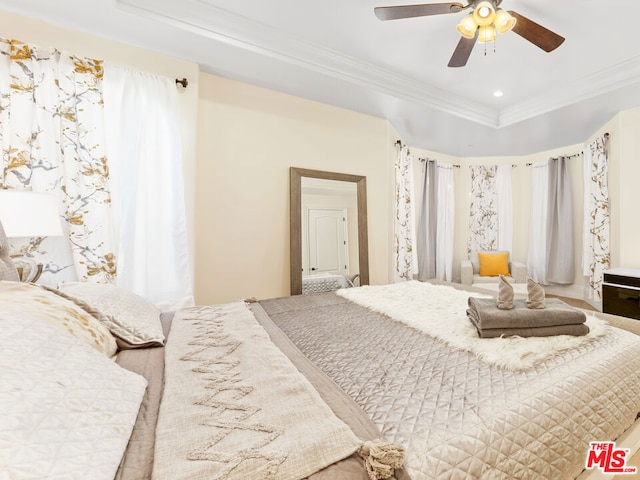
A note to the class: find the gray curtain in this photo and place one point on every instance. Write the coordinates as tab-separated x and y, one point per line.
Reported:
426	237
560	248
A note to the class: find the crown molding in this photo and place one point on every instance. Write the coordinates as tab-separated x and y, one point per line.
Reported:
568	93
204	19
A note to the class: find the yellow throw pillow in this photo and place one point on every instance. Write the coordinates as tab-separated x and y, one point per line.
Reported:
494	264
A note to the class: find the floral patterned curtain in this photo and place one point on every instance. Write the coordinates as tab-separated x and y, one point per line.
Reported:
596	256
491	212
51	135
406	260
483	216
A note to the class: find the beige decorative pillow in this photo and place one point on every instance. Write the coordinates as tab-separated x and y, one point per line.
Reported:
57	311
132	319
7	268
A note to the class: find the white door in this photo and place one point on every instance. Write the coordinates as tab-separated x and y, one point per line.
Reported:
328	249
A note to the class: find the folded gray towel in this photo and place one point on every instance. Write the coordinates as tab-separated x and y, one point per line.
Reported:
535	294
505	294
485	315
574	330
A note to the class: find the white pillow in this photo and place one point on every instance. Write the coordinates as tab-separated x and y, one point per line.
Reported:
66	410
131	318
41	303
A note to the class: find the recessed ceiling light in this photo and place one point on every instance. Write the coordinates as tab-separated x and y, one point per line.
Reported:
497	93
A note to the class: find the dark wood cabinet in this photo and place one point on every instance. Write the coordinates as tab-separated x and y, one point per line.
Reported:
621	292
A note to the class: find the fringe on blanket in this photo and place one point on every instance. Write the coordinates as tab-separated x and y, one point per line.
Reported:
381	458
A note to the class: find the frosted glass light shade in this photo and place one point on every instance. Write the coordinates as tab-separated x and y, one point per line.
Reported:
467	27
29	214
483	14
487	34
503	21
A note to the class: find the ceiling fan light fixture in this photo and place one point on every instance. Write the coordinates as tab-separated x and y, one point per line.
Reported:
484	14
504	21
467	27
487	34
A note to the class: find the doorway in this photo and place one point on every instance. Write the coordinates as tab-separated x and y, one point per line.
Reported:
328	249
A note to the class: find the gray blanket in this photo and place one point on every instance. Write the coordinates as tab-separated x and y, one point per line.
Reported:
575	330
487	315
137	462
557	318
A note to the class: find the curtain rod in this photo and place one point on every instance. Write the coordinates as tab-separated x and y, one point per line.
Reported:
556	158
513	165
606	136
424	160
399	143
184	82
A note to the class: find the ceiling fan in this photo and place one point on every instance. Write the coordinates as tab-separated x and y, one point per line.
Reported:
481	25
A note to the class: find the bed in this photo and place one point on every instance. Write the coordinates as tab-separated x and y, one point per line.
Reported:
190	394
325	282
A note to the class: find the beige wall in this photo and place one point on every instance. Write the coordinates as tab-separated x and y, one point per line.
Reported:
248	137
628	190
624	172
236	171
624	191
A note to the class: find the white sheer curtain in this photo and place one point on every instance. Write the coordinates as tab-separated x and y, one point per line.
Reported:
504	197
145	159
406	259
537	258
445	223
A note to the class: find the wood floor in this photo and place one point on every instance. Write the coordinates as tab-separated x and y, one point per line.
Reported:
574	302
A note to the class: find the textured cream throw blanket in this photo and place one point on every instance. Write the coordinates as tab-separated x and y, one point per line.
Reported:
440	311
234	407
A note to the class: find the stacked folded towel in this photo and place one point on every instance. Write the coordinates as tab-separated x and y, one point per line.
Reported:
557	318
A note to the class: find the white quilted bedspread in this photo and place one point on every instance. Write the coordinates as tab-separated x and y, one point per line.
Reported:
66	410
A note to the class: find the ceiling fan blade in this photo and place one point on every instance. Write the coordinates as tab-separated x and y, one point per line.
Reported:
538	35
463	51
409	11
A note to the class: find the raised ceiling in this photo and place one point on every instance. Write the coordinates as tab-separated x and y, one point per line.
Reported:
338	52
